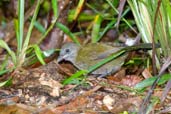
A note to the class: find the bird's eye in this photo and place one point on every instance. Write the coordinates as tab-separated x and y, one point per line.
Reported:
67	50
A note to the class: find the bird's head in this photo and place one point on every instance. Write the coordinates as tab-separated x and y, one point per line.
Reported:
68	52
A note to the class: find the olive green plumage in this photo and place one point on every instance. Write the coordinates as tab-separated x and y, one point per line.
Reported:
84	57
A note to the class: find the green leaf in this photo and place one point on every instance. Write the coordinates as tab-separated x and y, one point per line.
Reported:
113	7
3	72
149	81
82	16
20	25
55	7
4	63
78	9
164	78
6	83
46	6
39	27
68	32
16	24
136	61
96	28
27	39
56	14
48	53
10	52
39	54
75	77
109	25
74	14
32	57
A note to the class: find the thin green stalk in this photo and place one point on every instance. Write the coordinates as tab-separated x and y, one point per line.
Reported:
47	31
66	30
21	24
56	15
110	3
26	42
55	8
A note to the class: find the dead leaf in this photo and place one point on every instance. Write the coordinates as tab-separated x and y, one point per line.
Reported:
146	73
131	80
118	76
108	101
55	85
73	106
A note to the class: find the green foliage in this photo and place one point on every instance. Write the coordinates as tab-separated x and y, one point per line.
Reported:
56	15
55	8
26	41
48	53
75	78
124	112
3	72
136	61
16	26
113	7
102	12
149	81
96	29
39	27
6	83
68	32
82	16
39	54
109	26
153	21
76	11
46	6
20	25
4	45
22	45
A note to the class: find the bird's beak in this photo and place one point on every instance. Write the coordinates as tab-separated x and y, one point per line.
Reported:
61	58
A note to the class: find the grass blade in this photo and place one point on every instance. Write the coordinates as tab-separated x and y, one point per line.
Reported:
39	27
96	28
26	42
78	9
109	25
68	32
150	81
20	25
56	14
110	3
55	8
6	83
39	54
3	72
4	45
74	76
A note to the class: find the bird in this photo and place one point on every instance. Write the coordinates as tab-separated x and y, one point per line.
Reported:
84	57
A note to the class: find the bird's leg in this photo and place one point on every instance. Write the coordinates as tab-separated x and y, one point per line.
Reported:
103	75
106	73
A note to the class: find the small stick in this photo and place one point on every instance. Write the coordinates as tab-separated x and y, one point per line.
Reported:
146	101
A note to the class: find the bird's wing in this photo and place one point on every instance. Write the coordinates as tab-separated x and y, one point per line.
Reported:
107	53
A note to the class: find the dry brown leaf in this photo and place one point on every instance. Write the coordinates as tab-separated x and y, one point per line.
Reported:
131	80
108	101
146	73
73	106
